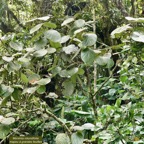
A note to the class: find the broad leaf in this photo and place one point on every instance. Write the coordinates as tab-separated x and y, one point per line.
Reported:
44	81
77	138
8	121
16	46
67	21
135	19
53	35
103	60
68	88
40	53
89	39
62	138
70	49
50	25
7	59
88	126
51	50
4	130
116	33
88	56
79	23
65	39
138	36
36	28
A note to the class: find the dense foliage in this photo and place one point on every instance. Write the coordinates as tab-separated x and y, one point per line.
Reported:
72	71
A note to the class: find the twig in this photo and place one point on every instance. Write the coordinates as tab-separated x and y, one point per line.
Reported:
59	121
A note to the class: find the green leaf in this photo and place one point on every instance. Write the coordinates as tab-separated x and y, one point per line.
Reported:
123	78
116	33
36	28
4	130
89	39
33	78
110	63
7	59
23	60
73	71
62	138
135	19
24	78
68	88
45	18
44	81
104	59
88	126
30	90
112	92
16	46
138	36
65	39
70	49
50	25
88	56
14	66
118	102
41	89
6	90
67	21
53	35
40	53
79	23
51	50
7	121
77	138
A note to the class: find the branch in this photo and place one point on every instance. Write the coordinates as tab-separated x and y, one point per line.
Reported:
59	121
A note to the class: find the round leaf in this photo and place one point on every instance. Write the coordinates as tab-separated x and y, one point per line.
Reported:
70	49
79	23
77	138
53	35
62	138
44	81
88	56
51	50
40	53
16	46
89	39
67	21
7	59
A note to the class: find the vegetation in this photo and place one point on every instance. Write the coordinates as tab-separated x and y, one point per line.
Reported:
72	71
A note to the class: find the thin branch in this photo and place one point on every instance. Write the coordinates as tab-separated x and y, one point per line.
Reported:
59	121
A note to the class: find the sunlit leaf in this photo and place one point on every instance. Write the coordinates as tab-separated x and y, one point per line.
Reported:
7	59
16	46
62	138
79	23
88	56
36	28
53	35
138	36
89	39
77	138
67	21
40	53
70	49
